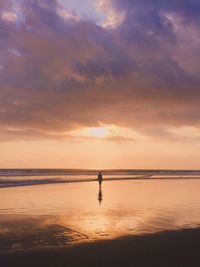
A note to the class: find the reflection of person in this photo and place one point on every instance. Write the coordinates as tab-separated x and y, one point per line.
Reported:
100	195
100	178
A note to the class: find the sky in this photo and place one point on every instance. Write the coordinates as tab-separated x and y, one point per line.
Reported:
100	84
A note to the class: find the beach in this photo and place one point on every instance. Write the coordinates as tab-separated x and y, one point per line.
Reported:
122	223
99	133
166	249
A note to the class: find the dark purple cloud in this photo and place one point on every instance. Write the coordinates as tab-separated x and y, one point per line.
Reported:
59	72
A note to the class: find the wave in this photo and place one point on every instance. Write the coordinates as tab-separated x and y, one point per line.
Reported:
80	172
4	183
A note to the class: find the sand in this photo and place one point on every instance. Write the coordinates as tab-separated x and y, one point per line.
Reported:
164	249
65	225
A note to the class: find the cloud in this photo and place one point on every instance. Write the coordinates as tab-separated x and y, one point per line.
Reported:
9	16
114	16
61	72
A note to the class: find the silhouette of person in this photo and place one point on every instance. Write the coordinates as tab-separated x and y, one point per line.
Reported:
100	178
100	195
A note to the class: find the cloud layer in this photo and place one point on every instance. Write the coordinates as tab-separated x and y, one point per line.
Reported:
59	71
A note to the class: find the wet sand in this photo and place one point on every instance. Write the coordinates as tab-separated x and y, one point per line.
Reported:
124	223
164	249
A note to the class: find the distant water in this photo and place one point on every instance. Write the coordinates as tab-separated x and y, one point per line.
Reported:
23	177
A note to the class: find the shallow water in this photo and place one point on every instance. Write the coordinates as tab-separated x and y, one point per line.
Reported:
67	214
28	177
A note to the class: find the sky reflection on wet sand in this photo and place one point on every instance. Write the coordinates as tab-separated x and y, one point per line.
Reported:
63	215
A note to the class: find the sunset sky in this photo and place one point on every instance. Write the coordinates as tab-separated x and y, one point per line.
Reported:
100	84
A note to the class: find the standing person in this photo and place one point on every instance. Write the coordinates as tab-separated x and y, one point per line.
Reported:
100	178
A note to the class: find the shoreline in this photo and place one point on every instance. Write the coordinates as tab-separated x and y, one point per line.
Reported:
26	183
164	249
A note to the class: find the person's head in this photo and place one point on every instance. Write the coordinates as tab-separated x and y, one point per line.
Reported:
99	172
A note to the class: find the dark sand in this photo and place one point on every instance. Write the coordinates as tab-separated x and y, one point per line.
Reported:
166	249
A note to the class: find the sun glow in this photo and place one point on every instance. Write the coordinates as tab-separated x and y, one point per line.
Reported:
98	132
109	132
